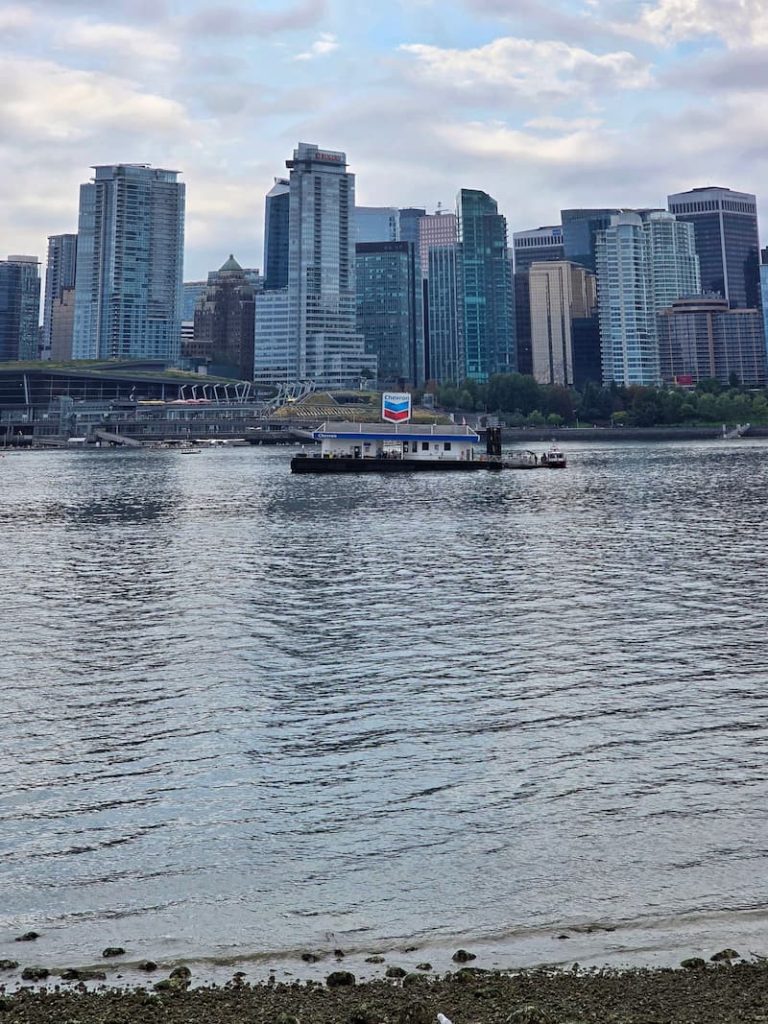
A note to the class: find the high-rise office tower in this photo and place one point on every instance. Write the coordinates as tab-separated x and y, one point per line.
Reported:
377	224
59	277
19	308
191	293
488	302
580	230
703	337
276	217
535	246
224	321
321	271
645	261
389	311
445	359
439	228
561	293
129	264
409	225
727	244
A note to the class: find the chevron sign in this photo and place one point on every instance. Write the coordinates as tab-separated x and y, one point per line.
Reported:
395	407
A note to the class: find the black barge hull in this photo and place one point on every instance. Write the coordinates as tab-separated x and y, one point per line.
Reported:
317	464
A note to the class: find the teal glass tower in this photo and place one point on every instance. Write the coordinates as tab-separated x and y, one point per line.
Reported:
487	295
130	251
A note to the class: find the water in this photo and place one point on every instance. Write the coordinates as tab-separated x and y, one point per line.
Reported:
245	713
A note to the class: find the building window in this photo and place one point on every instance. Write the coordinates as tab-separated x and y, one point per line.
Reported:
425	446
447	446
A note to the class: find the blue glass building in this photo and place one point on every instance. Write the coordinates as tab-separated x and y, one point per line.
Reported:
129	264
276	221
389	310
486	279
19	308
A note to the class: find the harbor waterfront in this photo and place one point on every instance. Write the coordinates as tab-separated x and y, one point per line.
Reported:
247	714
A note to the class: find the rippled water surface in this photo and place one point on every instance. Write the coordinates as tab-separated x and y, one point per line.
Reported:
244	712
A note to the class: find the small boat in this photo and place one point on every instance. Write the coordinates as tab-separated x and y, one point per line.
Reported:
188	451
553	458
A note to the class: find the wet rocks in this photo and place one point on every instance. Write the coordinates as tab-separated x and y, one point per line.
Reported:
27	937
146	965
395	972
339	954
6	1004
310	958
462	956
424	967
375	959
113	951
725	955
693	963
363	1014
181	973
339	979
35	973
416	1013
8	965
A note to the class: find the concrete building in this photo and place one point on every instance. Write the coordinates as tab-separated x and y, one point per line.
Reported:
703	337
488	300
439	228
645	261
560	293
19	308
377	224
727	244
533	246
224	322
59	277
321	271
62	326
389	311
276	220
130	254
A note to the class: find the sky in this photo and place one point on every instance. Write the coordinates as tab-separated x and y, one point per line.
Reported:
545	104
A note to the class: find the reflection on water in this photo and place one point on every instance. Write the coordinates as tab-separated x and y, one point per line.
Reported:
243	710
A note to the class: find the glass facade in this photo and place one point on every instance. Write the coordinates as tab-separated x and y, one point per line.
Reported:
59	275
446	338
389	311
191	291
276	218
409	224
129	264
580	230
377	224
644	262
539	245
487	296
321	271
19	308
727	244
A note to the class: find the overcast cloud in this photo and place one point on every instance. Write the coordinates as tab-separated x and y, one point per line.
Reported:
544	105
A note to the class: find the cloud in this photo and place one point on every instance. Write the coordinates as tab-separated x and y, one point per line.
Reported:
122	40
232	20
321	47
666	22
43	100
529	69
15	17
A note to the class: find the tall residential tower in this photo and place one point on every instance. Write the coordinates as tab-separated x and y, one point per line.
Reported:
129	264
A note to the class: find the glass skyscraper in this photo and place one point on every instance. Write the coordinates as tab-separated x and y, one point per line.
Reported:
129	264
276	216
727	244
19	308
321	271
445	350
486	278
389	311
59	277
377	224
645	261
580	230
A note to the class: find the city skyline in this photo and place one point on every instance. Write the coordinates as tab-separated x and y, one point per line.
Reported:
580	105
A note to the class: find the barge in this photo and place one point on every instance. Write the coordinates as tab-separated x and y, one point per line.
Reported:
408	447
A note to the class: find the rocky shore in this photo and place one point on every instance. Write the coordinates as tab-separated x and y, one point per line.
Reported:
728	991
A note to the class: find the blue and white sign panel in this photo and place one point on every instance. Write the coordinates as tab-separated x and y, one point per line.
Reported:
396	407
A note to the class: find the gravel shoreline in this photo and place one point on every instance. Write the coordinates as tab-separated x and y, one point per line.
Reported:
725	993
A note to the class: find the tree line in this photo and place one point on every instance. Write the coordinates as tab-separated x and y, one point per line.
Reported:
518	400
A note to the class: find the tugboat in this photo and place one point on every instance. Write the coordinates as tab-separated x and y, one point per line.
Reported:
553	458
